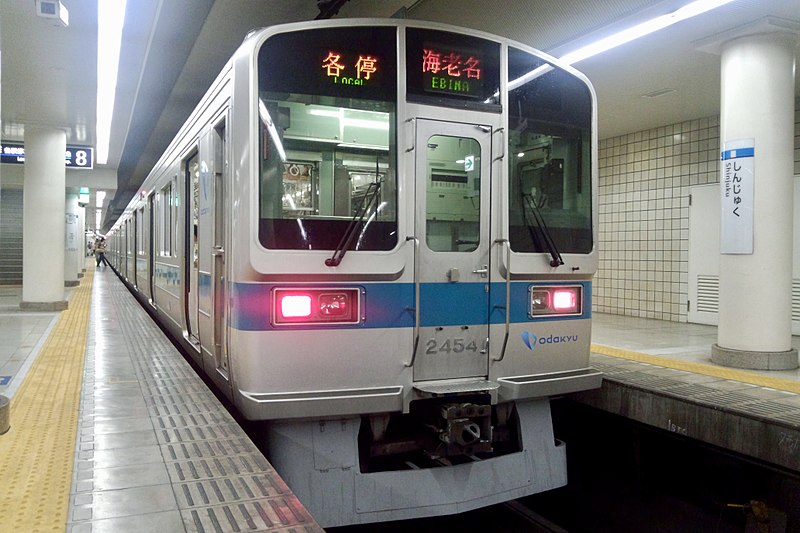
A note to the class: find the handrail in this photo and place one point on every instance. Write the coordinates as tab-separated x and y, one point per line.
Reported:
502	132
413	134
507	245
416	299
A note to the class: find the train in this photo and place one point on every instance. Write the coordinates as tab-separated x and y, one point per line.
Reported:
377	238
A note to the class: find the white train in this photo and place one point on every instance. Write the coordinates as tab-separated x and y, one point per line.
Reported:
378	236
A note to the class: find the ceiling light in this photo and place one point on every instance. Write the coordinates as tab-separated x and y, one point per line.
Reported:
110	19
640	30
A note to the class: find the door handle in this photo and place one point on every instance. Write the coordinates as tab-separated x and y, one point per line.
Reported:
483	271
218	251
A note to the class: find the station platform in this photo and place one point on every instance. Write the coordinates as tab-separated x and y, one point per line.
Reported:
660	373
112	430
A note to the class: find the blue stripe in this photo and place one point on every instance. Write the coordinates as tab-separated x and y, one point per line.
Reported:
738	153
391	305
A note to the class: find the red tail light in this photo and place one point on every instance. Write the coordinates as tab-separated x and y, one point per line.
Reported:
295	305
557	300
565	300
316	306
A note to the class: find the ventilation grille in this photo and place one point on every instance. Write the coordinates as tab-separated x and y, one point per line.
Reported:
708	294
11	237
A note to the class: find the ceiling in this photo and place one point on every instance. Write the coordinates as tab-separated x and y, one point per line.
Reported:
173	49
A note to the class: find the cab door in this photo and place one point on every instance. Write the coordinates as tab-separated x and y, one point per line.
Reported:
452	220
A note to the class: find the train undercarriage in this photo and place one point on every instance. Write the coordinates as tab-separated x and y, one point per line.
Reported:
446	456
438	432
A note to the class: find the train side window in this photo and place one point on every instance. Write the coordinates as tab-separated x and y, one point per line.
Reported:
165	220
140	231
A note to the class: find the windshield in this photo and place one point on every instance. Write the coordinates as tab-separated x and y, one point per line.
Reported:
327	122
550	114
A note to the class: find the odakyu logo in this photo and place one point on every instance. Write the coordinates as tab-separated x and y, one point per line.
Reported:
531	340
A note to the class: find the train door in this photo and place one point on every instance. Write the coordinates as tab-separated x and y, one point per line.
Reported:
452	224
211	237
192	250
218	250
151	248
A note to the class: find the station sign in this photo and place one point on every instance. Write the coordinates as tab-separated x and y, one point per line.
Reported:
737	176
75	157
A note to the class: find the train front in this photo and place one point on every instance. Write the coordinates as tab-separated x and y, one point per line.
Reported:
413	263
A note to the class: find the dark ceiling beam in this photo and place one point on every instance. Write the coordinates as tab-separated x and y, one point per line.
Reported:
329	8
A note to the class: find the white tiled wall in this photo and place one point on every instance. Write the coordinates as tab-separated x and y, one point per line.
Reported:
644	215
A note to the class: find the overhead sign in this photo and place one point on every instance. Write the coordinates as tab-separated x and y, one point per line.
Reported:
736	195
75	157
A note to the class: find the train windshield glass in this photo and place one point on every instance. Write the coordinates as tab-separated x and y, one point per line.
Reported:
327	115
550	120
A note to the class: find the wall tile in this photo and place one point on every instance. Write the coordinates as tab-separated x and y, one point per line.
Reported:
644	215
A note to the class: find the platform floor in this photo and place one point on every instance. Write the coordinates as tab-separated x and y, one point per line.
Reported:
670	340
112	430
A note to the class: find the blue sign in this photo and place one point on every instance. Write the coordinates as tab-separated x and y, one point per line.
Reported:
5	380
75	156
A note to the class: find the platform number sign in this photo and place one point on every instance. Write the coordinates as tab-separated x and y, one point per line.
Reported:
80	157
75	157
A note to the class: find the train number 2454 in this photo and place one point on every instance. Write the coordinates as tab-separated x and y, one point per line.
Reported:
455	345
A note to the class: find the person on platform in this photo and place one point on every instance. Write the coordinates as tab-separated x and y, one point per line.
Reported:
100	251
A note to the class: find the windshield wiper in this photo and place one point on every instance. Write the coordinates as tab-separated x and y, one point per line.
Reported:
547	237
372	196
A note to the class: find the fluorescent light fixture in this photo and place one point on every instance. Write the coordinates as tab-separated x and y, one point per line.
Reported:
99	200
110	18
381	122
325	112
640	30
365	123
625	36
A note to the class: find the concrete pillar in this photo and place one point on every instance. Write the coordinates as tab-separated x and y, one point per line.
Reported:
72	239
756	111
43	220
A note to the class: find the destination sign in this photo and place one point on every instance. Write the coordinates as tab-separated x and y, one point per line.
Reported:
452	69
353	62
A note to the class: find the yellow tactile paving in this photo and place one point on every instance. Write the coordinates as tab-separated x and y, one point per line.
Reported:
701	368
37	453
